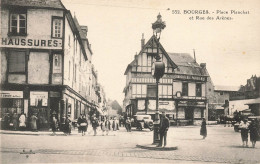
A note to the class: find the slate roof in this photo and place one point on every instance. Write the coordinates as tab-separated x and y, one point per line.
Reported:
187	65
56	4
81	33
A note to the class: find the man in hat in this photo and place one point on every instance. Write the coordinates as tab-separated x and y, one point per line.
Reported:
94	124
164	126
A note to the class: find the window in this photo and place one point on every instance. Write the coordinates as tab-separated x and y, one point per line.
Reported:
139	90
165	91
184	89
221	93
57	63
57	27
16	62
198	90
17	22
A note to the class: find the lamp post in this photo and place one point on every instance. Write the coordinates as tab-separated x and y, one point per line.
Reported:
178	96
158	69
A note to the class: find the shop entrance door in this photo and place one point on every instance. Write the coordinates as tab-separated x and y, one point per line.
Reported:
54	106
189	112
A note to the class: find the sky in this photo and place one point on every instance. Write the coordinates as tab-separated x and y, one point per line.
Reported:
230	48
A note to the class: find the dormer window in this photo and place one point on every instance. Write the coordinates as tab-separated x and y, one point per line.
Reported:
17	24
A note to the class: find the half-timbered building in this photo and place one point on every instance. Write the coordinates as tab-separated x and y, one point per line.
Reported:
182	89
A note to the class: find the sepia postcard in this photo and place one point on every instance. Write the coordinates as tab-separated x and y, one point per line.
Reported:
130	81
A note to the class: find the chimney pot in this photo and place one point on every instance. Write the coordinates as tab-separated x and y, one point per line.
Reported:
142	41
203	65
84	29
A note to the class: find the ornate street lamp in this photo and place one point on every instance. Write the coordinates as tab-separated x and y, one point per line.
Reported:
158	69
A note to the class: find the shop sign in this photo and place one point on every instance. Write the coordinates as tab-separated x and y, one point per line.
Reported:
36	97
151	105
31	43
190	77
54	94
163	105
11	94
141	105
168	105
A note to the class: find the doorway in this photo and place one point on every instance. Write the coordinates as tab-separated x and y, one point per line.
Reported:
189	115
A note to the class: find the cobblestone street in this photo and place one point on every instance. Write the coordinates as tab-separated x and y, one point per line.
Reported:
222	145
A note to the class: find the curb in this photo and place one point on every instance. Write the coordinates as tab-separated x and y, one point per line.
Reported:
153	147
34	133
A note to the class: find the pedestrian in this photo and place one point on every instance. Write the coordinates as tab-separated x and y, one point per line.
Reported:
128	124
203	129
84	125
79	121
105	126
67	129
54	125
244	131
115	126
62	122
22	120
253	132
33	122
94	123
164	126
7	121
15	121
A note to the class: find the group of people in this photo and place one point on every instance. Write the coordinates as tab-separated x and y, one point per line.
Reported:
253	131
19	122
105	124
65	125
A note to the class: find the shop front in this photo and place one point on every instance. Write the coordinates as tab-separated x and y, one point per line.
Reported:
11	107
190	112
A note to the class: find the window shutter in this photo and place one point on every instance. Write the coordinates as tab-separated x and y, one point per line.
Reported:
17	61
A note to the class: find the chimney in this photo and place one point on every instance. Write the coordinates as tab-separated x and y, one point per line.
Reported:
142	41
195	55
203	65
136	56
84	29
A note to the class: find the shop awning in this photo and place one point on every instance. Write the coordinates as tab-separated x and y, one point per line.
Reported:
254	101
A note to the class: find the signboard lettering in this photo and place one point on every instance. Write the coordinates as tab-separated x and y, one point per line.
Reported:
30	43
11	94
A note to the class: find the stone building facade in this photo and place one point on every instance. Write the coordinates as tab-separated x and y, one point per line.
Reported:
45	62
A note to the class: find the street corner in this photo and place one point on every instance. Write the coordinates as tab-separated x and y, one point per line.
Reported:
155	147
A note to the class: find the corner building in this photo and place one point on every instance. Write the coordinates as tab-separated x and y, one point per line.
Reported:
183	76
44	61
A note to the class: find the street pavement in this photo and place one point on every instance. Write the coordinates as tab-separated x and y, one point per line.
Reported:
222	145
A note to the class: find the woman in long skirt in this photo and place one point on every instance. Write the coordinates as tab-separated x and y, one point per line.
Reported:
244	132
84	125
253	132
203	129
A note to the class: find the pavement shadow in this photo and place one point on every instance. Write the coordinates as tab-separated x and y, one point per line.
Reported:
239	147
191	139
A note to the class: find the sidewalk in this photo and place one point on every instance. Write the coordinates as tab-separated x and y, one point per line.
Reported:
38	133
48	133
